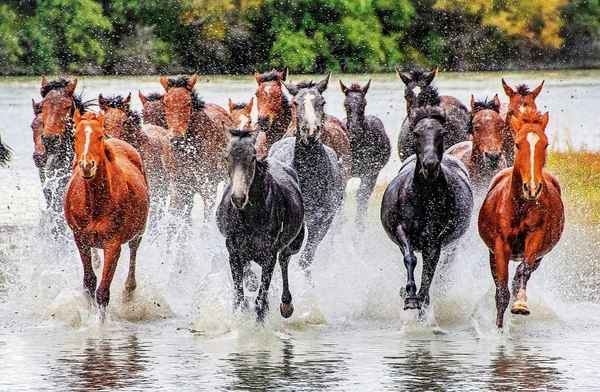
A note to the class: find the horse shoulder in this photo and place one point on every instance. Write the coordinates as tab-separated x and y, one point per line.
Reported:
218	115
283	150
461	151
553	181
125	154
448	101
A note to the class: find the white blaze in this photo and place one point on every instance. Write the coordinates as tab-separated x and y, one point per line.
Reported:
88	136
243	121
268	89
238	183
311	116
532	139
417	90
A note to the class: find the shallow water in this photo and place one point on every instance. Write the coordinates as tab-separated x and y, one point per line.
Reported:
349	331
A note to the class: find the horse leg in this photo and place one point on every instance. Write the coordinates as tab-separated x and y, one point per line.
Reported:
180	209
130	283
365	189
410	262
499	266
316	233
262	300
250	278
236	264
431	256
111	257
89	277
209	197
286	308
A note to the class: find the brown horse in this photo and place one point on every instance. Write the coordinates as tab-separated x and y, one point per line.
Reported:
519	100
152	143
241	114
483	155
522	217
333	133
153	109
198	133
37	129
274	109
106	204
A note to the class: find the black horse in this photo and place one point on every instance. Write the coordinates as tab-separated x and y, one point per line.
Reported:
261	215
429	203
457	114
370	145
5	153
320	174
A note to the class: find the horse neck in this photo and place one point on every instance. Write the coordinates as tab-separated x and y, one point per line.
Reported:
280	124
98	190
133	133
258	188
356	123
420	182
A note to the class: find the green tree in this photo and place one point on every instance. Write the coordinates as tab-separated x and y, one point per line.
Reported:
10	48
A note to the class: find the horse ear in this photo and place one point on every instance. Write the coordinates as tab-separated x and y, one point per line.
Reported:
76	117
44	81
322	85
164	82
366	87
536	91
230	104
143	98
405	77
192	82
250	104
545	119
283	74
343	87
291	88
127	100
257	77
101	102
516	123
507	89
70	87
472	102
497	102
430	76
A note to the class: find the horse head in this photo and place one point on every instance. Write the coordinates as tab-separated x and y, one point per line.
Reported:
270	99
521	98
414	82
153	109
531	143
241	113
57	105
116	111
89	143
486	127
309	107
355	102
241	165
180	101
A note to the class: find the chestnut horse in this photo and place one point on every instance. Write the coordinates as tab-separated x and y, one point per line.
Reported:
199	137
484	155
333	132
519	100
152	143
153	109
58	104
522	217
274	109
241	114
106	203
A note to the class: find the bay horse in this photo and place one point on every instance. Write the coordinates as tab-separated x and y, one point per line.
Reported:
333	132
415	81
153	110
321	176
261	215
106	203
150	141
484	154
522	217
428	205
274	109
59	103
519	100
5	153
370	145
199	137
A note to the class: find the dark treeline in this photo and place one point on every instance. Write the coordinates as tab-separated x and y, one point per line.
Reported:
239	36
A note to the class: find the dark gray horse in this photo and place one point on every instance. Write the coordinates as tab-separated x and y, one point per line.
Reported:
320	174
5	153
429	203
261	215
370	145
457	114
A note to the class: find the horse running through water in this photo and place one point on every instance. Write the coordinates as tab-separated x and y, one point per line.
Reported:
320	174
261	216
274	110
333	133
457	115
150	141
484	155
58	104
199	139
519	100
522	217
106	203
428	205
153	110
369	143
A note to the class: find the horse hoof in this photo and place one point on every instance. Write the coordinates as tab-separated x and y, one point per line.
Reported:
520	307
411	303
286	310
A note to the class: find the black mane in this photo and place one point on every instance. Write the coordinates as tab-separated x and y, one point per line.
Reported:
53	85
241	133
116	102
269	76
523	90
81	105
429	96
154	97
355	88
416	75
431	112
59	84
178	81
306	84
238	106
485	105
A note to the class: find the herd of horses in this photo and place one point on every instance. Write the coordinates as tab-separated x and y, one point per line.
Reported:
110	175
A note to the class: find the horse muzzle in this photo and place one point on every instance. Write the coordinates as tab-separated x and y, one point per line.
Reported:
532	194
88	169
239	201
